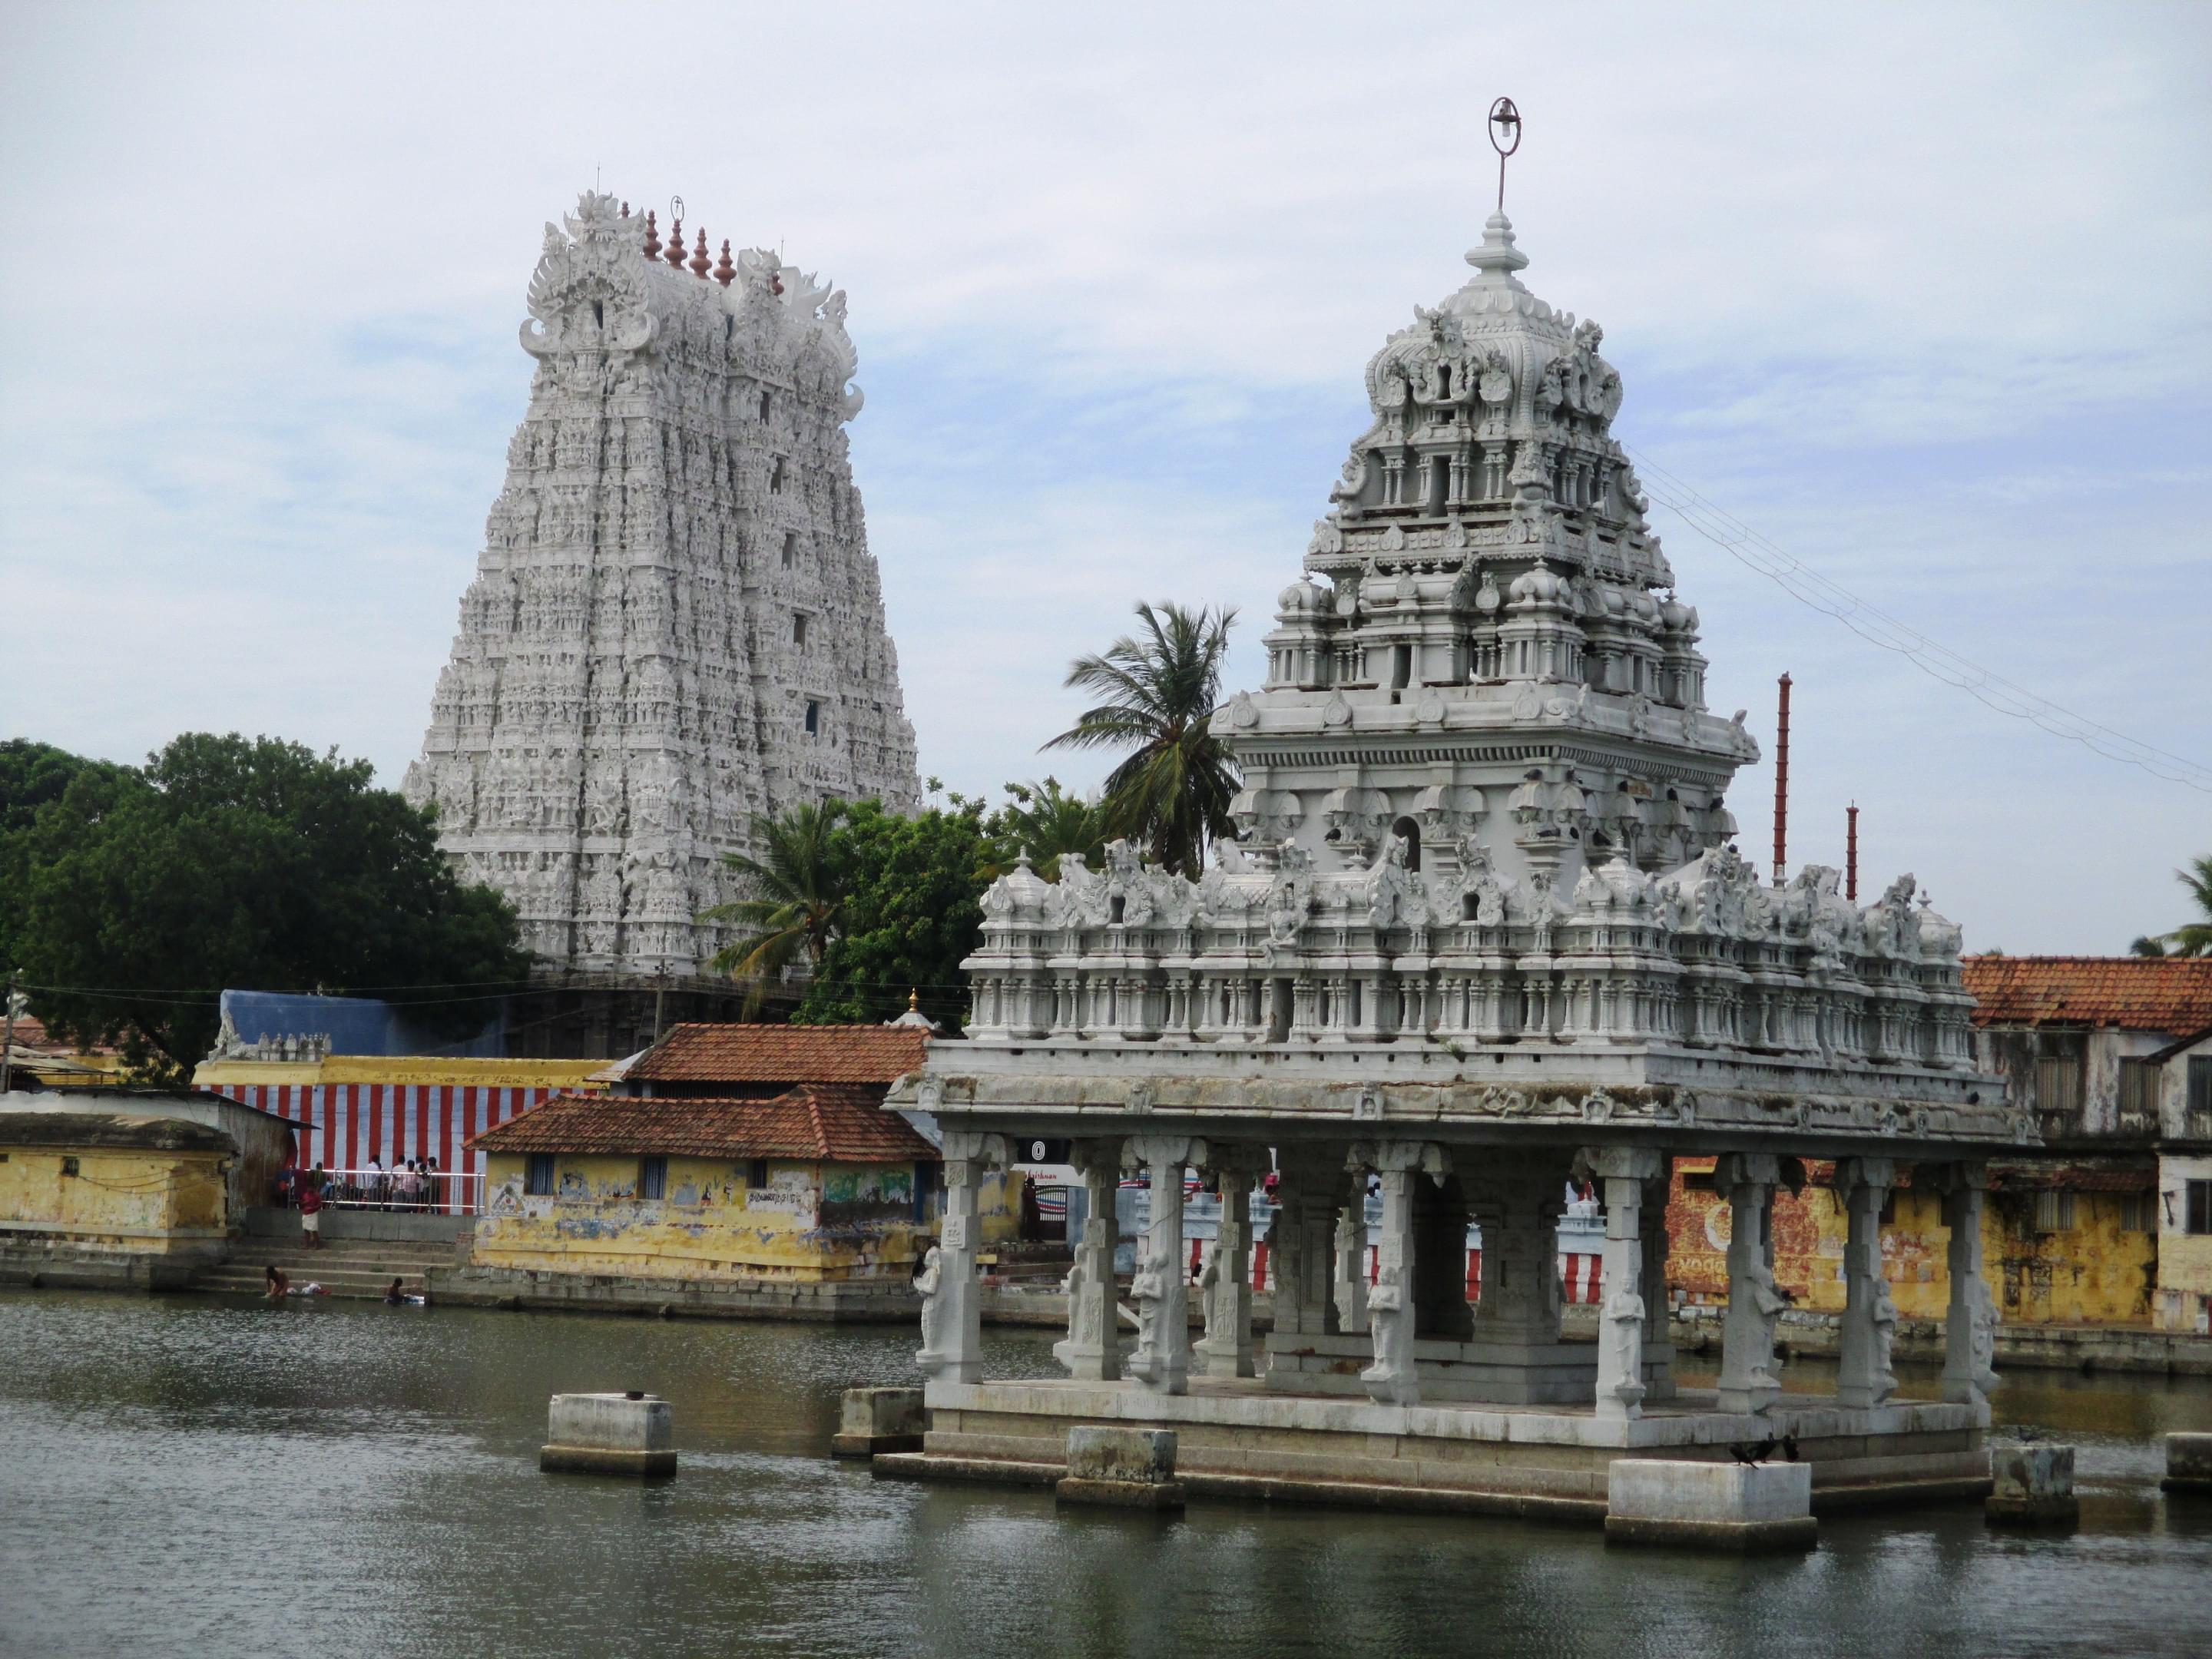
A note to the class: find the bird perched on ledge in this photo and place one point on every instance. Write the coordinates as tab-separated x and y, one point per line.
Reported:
1755	1452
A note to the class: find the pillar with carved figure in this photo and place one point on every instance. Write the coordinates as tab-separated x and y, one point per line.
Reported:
1091	1351
1970	1323
1394	1377
1225	1350
1622	1173
1750	1375
1162	1360
1863	1377
1348	1285
951	1304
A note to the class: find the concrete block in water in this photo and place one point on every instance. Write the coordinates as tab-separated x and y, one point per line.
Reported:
1736	1507
2188	1463
630	1434
874	1420
2032	1485
1128	1468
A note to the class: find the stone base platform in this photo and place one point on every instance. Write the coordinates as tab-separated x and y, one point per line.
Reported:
1494	1372
859	1302
1238	1438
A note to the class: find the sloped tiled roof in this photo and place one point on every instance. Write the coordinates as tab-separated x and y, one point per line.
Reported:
845	1123
708	1054
2167	994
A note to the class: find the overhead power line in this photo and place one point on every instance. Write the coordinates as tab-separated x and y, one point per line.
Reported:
1738	539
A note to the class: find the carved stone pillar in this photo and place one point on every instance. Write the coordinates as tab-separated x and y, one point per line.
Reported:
1624	1172
1225	1350
1520	1218
1162	1360
1300	1252
1750	1377
1092	1352
1440	1218
1658	1329
1393	1379
1348	1287
1863	1377
1970	1324
952	1305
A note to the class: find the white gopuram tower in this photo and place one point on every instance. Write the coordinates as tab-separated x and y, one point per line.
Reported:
676	622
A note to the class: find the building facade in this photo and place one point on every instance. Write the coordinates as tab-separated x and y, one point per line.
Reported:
2112	1056
106	1198
676	622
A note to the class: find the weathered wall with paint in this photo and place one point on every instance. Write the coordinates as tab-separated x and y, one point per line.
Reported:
2184	1259
133	1201
808	1221
2094	1270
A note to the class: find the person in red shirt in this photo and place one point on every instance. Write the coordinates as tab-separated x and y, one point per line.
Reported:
310	1216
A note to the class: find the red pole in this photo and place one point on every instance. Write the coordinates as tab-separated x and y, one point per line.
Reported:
1782	782
1851	851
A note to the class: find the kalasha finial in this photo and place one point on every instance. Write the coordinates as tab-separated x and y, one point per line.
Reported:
725	273
1505	138
675	254
651	237
699	261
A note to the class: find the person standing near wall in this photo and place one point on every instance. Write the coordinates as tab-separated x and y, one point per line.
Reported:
310	1214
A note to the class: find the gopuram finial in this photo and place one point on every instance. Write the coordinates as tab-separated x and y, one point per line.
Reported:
724	272
699	261
675	255
652	236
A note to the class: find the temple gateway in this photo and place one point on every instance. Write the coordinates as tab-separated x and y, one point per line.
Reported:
1482	929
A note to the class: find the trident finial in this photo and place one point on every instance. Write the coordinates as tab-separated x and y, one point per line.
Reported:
1505	138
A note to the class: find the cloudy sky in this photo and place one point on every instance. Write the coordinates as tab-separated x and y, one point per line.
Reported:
1921	293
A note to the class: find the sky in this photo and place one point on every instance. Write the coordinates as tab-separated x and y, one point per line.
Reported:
1919	293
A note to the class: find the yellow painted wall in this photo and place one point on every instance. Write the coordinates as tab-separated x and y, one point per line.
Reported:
140	1202
2093	1273
811	1221
2185	1266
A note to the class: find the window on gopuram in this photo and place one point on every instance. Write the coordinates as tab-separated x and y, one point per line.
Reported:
798	632
813	717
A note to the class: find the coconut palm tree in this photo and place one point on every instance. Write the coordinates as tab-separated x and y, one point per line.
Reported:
1172	791
1044	821
2191	938
794	899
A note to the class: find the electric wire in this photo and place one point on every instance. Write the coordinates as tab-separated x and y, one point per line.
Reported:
1756	552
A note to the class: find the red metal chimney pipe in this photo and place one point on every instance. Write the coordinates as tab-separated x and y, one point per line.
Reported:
1782	783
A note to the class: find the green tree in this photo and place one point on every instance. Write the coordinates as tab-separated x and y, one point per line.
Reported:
794	899
913	891
1160	689
227	861
1045	820
32	776
2191	938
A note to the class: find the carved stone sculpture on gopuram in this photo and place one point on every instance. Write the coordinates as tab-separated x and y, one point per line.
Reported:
676	622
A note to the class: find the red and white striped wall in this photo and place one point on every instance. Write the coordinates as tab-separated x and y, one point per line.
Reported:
348	1123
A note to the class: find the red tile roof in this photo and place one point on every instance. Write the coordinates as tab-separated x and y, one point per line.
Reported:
2167	994
781	1053
842	1122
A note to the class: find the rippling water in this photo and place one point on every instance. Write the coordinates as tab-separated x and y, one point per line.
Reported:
196	1475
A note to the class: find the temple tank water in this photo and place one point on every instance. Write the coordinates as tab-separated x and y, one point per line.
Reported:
192	1474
